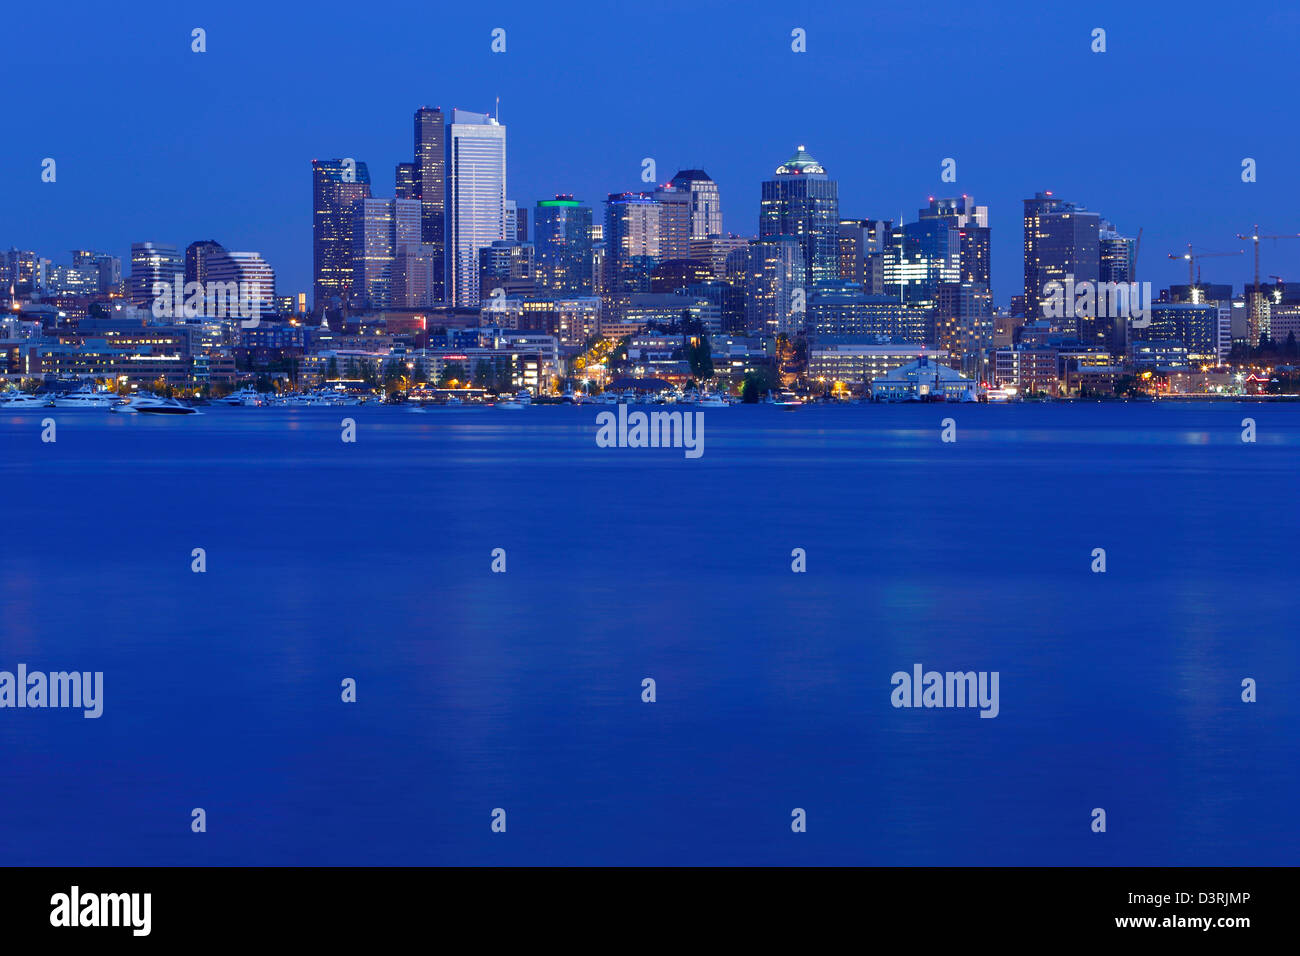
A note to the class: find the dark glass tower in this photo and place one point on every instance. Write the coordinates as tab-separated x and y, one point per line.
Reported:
336	185
802	201
196	258
1061	239
562	239
431	188
404	182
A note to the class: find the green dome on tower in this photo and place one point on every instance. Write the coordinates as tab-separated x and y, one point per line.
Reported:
801	162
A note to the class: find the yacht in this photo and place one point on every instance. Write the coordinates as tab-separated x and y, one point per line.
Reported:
712	401
245	396
85	397
24	400
786	400
157	405
569	398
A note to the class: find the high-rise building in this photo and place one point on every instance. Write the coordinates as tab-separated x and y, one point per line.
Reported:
508	266
918	258
714	251
404	182
963	325
1117	257
336	185
706	202
861	242
430	181
674	222
108	266
379	228
972	225
1061	239
254	279
802	201
414	269
476	199
196	256
775	297
152	262
633	242
521	224
562	230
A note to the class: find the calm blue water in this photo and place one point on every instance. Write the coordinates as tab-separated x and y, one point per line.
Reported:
522	690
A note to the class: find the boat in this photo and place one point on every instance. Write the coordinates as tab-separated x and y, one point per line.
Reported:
24	400
247	396
157	405
85	397
569	398
786	400
712	401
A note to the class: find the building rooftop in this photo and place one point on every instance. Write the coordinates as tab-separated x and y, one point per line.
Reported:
801	163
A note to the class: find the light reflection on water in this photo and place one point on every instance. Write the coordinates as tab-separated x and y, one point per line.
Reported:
522	690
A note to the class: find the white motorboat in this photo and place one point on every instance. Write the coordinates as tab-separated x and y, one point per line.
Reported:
712	401
247	396
85	397
23	400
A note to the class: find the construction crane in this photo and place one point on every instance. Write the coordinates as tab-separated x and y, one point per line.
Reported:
1252	333
1194	268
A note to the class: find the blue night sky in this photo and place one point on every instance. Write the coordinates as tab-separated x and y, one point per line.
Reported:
155	142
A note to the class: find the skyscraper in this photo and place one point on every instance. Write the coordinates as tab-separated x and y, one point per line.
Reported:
1060	239
1117	257
253	277
404	182
633	241
430	184
380	227
972	223
674	222
152	262
336	185
774	270
706	202
562	231
196	256
802	201
476	199
919	257
108	266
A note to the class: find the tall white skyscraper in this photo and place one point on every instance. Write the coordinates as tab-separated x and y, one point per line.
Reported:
476	199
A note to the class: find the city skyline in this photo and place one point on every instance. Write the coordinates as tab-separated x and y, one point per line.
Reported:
247	189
